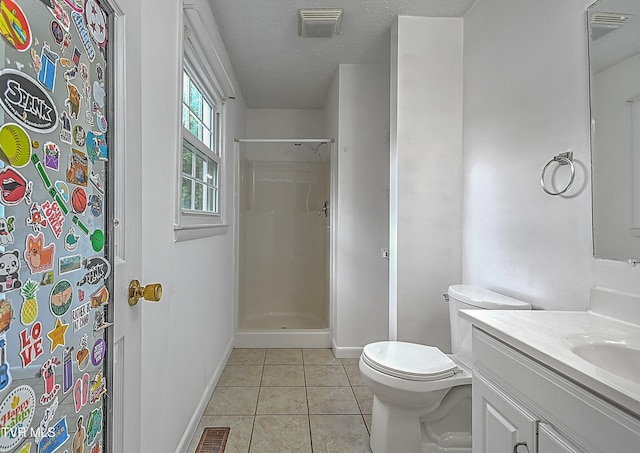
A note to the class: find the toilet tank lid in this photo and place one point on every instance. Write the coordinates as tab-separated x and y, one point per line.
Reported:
483	298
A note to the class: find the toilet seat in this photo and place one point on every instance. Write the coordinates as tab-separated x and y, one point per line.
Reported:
409	361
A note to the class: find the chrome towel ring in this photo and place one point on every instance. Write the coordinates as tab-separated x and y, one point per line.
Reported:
561	159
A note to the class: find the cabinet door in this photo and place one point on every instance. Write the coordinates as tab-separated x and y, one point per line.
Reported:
549	441
500	425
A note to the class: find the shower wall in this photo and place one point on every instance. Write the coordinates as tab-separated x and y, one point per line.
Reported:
283	266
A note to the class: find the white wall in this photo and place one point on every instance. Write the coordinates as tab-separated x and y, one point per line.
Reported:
359	102
187	335
526	100
284	123
612	158
426	175
332	123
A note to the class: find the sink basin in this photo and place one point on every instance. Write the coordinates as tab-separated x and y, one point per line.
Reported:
617	356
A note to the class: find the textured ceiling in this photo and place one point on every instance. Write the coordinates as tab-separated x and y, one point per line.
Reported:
620	44
278	69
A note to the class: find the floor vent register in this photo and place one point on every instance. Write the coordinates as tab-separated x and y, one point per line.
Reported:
213	440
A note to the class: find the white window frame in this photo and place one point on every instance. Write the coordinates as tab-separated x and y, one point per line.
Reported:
194	224
211	153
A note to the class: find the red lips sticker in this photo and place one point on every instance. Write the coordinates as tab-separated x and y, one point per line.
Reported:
14	187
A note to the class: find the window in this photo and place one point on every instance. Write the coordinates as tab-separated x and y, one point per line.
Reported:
200	159
200	155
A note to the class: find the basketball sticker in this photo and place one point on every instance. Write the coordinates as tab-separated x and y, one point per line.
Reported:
15	145
79	200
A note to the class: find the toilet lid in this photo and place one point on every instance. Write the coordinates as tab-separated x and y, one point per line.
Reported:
411	361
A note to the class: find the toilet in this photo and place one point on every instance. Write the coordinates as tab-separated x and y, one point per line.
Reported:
422	396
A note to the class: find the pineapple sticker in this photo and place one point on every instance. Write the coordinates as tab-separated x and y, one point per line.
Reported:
29	310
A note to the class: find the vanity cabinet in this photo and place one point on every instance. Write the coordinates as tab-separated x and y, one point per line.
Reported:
506	426
523	406
549	441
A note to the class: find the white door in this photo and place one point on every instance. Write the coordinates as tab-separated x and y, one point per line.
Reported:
55	50
127	258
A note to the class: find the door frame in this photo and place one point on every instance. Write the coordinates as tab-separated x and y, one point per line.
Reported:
120	210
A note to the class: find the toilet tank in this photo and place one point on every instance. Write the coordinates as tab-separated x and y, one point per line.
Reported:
468	297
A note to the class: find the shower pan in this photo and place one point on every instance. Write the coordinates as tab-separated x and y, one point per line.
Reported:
283	243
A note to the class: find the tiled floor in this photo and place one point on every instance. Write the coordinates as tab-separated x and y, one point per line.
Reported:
290	400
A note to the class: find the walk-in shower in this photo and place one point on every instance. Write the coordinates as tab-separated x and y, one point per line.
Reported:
283	243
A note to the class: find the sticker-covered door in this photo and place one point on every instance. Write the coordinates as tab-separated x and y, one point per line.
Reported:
54	265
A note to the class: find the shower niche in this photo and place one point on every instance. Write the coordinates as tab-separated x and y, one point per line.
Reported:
283	246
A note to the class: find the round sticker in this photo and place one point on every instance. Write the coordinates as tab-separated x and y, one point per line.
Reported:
97	240
61	297
78	200
101	120
96	22
14	25
98	352
15	145
17	411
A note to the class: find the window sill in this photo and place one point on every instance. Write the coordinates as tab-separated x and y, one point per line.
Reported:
198	231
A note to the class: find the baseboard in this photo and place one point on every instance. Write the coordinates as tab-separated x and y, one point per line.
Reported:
202	405
345	353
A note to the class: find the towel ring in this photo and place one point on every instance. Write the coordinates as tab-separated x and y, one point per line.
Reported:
561	159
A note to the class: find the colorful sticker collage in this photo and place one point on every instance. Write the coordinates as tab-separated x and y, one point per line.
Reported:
53	260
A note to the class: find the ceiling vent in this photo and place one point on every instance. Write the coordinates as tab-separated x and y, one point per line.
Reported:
601	23
319	23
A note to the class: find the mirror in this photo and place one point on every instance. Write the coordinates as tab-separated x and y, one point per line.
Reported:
614	55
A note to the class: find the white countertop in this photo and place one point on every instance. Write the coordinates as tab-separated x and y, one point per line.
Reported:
539	334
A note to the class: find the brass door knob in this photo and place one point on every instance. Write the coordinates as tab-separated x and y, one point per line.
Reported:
152	292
